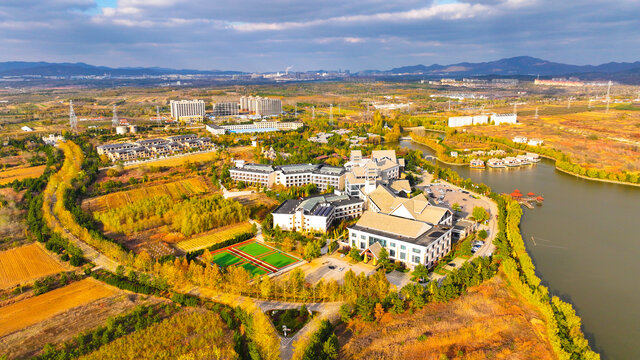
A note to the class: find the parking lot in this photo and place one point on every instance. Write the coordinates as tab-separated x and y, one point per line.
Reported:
446	195
332	267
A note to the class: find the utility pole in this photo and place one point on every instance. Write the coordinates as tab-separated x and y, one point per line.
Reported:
569	103
449	105
608	95
536	116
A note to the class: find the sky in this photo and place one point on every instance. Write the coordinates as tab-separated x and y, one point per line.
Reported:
271	35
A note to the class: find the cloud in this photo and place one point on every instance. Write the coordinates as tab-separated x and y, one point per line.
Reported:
257	35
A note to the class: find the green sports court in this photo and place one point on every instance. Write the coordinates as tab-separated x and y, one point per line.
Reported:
257	258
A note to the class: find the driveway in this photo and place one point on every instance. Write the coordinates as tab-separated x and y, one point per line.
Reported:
332	267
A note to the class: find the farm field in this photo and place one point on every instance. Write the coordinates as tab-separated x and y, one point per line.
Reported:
254	257
24	264
175	190
213	237
190	334
28	341
489	322
591	137
39	308
179	160
8	176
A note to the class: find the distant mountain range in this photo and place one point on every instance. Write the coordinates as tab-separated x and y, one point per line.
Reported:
521	65
24	68
515	66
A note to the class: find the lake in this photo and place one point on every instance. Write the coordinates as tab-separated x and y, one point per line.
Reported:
586	249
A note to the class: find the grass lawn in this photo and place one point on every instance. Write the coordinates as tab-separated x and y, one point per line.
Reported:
278	260
254	249
225	258
253	269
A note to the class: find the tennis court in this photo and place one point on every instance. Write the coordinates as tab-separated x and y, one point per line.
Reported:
257	258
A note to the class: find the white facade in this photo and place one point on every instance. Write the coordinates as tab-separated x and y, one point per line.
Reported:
457	121
261	106
499	119
519	139
183	109
316	213
290	175
404	250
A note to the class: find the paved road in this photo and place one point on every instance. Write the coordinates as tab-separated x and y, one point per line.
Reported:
89	253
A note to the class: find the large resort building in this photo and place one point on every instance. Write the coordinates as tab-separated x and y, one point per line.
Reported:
323	176
316	213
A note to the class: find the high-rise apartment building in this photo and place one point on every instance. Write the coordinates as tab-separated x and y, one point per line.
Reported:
226	109
187	109
261	106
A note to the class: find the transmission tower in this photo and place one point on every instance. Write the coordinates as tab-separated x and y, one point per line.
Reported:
73	120
114	121
331	114
536	116
569	103
313	112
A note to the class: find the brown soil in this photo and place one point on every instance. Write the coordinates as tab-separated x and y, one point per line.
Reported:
488	322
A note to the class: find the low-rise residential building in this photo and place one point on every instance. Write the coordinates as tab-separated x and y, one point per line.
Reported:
364	174
316	213
499	119
157	147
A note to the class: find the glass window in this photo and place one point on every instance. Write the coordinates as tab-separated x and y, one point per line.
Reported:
415	259
392	253
362	245
403	256
417	251
402	247
392	244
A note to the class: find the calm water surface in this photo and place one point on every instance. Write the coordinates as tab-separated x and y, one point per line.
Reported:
587	247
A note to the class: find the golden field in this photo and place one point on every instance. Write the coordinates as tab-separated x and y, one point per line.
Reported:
24	264
174	189
8	176
214	237
39	308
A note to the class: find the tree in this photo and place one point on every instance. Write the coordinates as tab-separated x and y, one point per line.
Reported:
456	207
345	313
480	214
420	273
482	234
383	258
311	250
378	312
330	347
355	255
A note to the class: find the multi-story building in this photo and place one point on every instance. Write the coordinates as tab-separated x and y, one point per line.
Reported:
316	213
261	106
384	200
409	241
290	175
457	121
187	110
364	174
226	109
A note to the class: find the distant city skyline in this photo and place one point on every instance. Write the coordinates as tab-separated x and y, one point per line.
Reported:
271	36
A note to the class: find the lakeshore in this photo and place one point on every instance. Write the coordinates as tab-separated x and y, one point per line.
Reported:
539	154
570	253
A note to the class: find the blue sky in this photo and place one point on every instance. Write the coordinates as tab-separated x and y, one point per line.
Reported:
254	35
